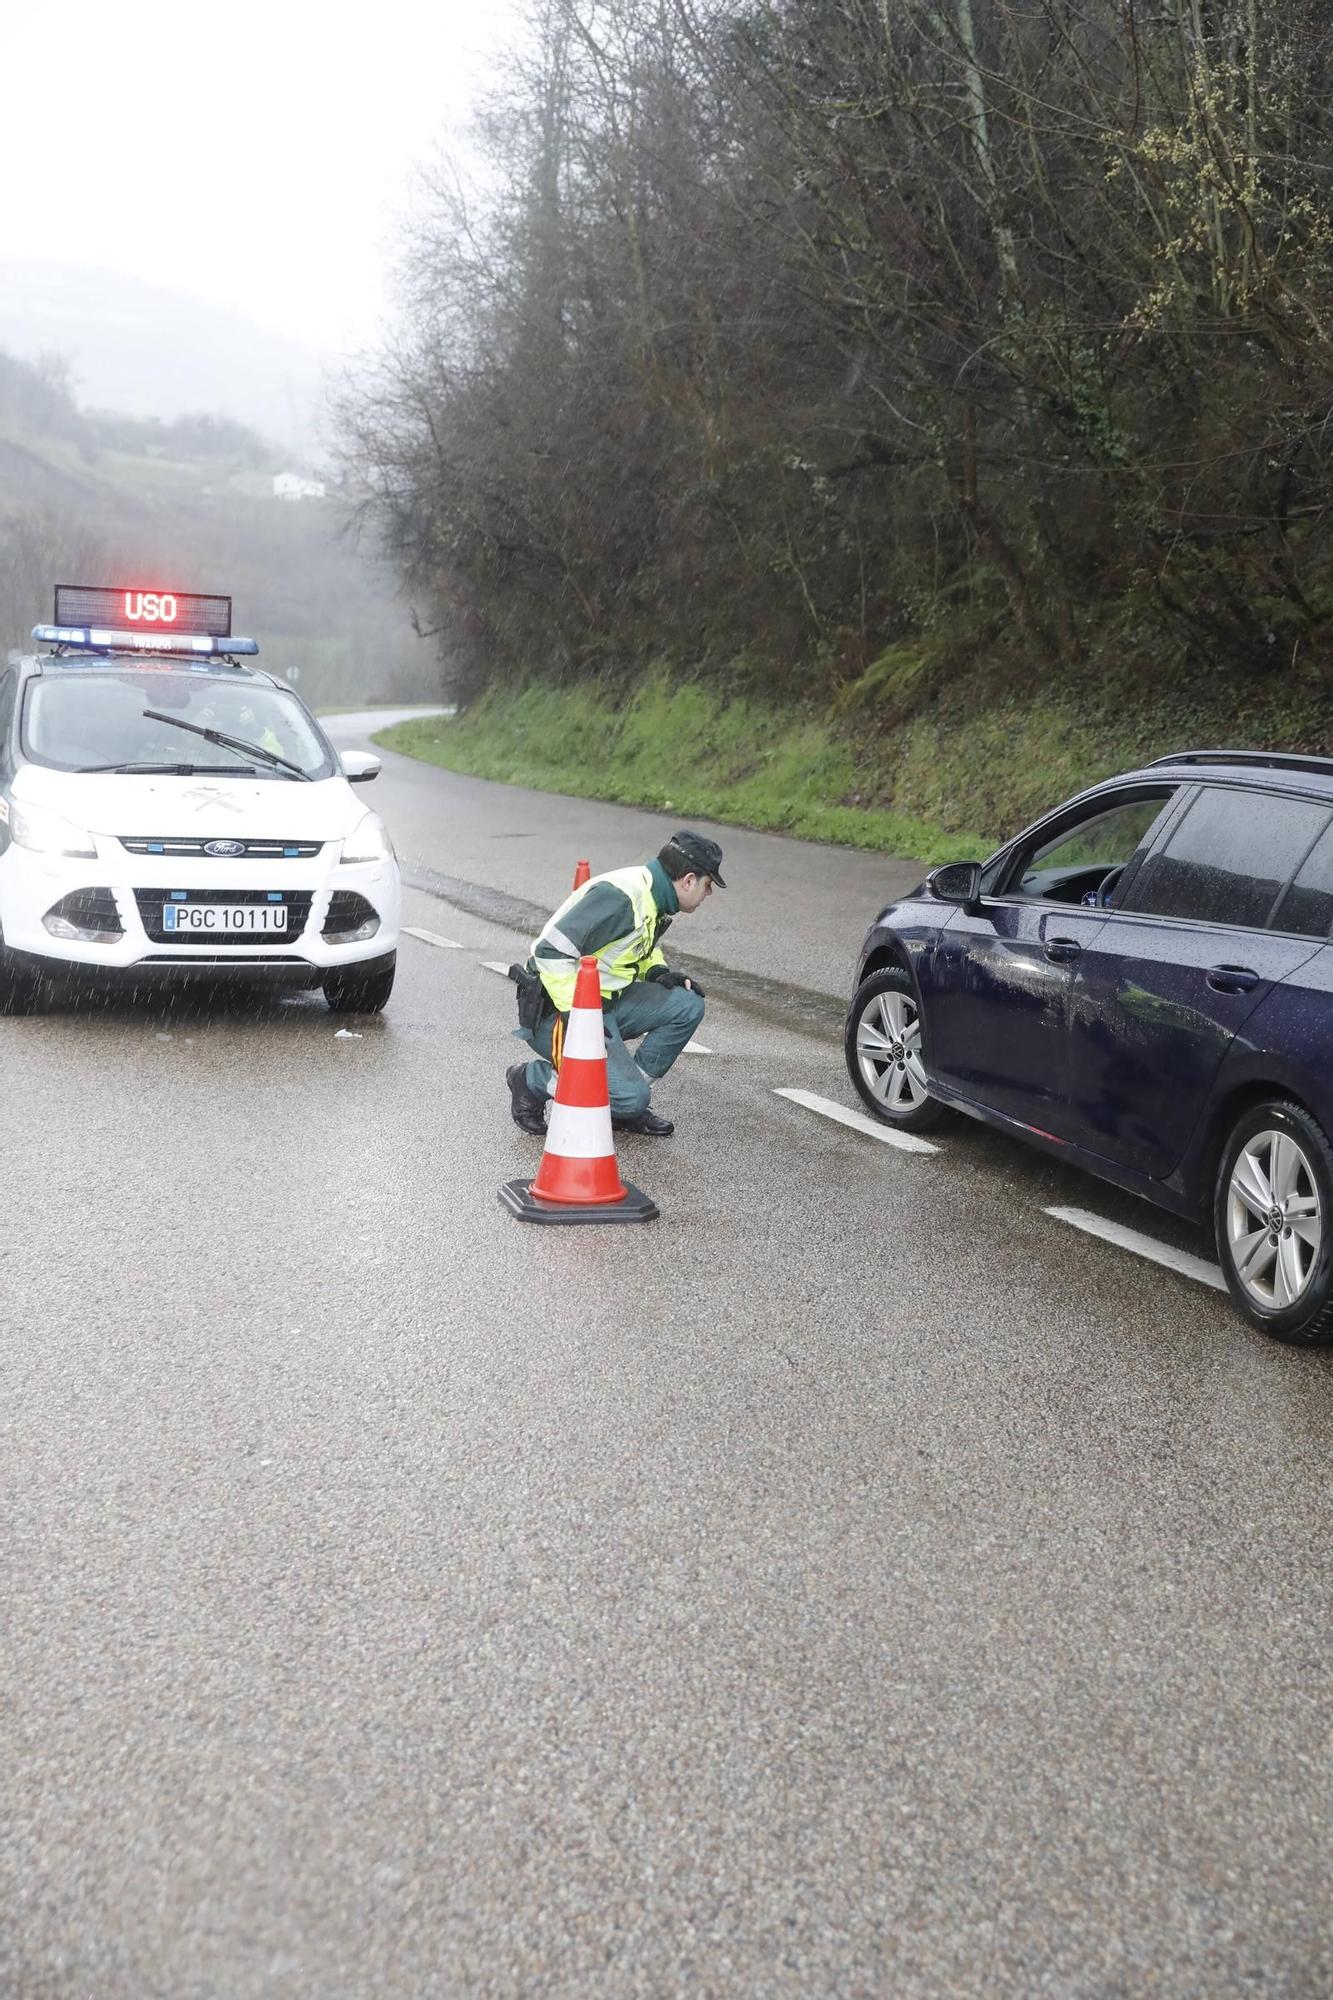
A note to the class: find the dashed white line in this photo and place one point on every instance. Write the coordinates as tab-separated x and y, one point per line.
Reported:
494	965
906	1142
695	1049
432	937
1197	1268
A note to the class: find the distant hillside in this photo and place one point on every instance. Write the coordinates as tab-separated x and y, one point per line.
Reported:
151	352
27	478
75	508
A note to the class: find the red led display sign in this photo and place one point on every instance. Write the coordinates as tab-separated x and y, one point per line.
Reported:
131	609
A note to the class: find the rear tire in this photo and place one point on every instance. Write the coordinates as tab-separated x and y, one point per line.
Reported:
361	989
1273	1214
882	1046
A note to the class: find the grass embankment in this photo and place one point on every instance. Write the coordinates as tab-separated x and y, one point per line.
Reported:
945	785
676	749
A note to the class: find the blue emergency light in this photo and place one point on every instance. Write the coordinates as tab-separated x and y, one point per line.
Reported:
90	639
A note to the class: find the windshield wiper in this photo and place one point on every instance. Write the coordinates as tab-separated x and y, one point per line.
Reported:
171	770
230	743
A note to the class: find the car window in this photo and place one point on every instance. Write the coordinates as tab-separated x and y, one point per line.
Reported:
1228	858
77	721
1077	861
1307	906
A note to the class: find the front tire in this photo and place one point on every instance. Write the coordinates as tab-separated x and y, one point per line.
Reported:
361	989
882	1046
1273	1214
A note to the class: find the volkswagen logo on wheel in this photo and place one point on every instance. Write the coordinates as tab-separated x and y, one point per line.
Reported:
224	847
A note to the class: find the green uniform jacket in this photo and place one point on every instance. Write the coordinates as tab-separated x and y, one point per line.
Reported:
616	919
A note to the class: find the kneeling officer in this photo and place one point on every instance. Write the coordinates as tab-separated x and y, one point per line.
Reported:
618	919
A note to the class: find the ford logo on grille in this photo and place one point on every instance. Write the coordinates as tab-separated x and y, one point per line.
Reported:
224	847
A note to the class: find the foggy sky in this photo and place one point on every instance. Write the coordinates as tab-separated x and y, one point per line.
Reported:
256	153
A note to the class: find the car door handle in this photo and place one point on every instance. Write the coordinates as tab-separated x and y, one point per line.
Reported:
1062	949
1232	978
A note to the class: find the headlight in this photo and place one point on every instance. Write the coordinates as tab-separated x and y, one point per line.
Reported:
46	833
368	841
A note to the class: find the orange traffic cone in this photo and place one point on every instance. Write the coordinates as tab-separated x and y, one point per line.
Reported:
578	1180
582	874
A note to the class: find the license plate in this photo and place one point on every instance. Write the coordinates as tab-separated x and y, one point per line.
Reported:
211	918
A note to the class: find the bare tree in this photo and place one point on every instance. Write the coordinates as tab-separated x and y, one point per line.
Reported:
808	328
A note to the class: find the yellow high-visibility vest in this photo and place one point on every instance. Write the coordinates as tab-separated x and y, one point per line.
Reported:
627	957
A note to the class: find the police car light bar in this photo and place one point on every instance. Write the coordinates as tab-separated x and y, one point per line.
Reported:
90	639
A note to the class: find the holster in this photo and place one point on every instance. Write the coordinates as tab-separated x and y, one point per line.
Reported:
534	1002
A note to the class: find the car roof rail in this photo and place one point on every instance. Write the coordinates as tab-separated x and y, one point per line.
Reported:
1273	760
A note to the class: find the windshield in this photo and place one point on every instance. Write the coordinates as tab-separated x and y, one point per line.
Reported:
79	721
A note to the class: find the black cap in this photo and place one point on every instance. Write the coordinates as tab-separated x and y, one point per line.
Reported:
704	856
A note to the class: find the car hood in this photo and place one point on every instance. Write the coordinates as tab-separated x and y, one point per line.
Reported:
208	808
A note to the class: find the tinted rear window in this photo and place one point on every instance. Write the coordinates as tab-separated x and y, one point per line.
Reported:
1228	858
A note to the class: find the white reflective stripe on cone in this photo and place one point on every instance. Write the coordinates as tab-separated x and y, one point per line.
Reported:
584	1037
580	1132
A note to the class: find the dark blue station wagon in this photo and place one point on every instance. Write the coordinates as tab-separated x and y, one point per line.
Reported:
1141	983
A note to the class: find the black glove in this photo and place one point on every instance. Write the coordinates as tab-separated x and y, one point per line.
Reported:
664	976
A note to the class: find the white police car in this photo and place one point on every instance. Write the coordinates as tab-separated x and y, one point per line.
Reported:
166	810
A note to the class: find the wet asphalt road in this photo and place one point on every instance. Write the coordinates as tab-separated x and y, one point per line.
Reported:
799	916
854	1583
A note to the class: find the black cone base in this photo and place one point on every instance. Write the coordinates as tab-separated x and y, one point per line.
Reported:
519	1199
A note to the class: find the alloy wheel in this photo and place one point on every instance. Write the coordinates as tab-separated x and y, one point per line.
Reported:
1274	1220
888	1053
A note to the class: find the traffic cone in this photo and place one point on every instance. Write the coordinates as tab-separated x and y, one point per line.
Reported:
578	1180
582	874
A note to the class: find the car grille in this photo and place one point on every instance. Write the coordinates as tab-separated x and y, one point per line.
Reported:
249	850
150	903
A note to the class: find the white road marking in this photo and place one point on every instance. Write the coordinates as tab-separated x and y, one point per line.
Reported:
695	1049
1197	1268
906	1142
432	937
494	965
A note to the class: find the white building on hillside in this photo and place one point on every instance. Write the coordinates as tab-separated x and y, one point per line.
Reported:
291	486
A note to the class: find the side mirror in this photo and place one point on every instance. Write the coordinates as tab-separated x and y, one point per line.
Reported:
359	767
957	882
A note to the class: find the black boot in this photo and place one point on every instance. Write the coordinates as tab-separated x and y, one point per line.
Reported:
529	1110
647	1123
